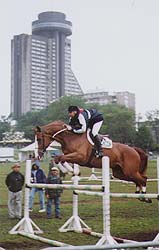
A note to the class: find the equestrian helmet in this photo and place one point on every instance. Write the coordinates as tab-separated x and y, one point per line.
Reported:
73	108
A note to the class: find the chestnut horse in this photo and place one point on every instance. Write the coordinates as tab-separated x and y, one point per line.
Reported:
127	163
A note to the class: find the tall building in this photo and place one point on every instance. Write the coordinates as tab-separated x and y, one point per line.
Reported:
123	98
41	64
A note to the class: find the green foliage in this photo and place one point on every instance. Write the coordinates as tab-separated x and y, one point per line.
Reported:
28	121
4	126
119	123
59	110
144	138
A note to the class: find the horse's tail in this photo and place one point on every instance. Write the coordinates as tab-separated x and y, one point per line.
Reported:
143	158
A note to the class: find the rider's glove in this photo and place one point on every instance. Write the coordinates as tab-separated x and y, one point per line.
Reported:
68	127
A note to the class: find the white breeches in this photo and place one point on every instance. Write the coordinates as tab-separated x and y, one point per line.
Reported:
96	127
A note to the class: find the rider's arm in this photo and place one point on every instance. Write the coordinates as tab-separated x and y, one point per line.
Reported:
82	122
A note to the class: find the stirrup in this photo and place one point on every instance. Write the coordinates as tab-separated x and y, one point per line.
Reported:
99	154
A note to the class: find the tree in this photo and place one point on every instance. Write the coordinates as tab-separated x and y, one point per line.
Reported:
59	110
119	123
144	138
153	124
4	126
28	121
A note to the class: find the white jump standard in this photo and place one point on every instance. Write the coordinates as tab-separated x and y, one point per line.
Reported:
25	226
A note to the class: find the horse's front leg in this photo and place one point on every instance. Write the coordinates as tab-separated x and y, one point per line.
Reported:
72	158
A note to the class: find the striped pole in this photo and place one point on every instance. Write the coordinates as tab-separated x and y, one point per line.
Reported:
42	239
134	246
119	195
65	186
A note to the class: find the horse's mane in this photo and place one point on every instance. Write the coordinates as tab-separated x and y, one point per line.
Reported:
55	123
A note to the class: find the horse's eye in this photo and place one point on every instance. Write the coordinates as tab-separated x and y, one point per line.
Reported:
39	140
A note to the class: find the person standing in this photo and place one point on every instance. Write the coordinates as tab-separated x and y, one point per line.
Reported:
53	195
15	182
53	164
37	176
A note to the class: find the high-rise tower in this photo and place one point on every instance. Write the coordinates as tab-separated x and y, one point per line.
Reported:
41	64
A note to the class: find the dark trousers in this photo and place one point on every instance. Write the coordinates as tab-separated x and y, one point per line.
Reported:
56	201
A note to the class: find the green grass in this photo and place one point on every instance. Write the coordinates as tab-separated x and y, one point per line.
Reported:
130	218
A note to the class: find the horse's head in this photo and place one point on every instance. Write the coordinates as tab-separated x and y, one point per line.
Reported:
42	140
46	134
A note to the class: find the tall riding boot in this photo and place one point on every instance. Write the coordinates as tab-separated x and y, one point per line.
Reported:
97	143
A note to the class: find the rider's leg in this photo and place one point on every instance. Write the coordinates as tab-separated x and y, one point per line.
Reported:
95	129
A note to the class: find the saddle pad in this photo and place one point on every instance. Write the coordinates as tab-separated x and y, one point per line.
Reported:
106	142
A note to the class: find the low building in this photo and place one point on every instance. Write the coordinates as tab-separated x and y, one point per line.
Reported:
123	98
7	154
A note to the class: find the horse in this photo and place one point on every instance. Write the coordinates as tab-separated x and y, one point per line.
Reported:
127	163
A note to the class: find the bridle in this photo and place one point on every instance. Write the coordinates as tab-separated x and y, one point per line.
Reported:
43	135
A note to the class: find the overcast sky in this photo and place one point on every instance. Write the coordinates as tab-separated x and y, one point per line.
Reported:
115	44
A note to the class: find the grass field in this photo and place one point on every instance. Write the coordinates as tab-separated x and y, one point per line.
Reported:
130	218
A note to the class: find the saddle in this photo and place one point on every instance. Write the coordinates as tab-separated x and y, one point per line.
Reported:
105	141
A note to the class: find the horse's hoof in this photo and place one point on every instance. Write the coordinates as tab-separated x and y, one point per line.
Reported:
147	200
142	199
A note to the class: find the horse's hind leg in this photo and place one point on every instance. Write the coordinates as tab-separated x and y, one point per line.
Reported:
141	188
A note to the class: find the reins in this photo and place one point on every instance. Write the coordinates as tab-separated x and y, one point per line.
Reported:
51	136
58	132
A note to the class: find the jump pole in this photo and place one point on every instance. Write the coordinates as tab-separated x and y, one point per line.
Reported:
74	223
65	186
93	176
133	246
26	224
119	195
106	238
156	239
42	239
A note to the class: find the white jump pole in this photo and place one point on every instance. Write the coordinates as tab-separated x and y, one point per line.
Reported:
158	176
93	176
42	239
156	239
74	223
36	147
106	238
26	224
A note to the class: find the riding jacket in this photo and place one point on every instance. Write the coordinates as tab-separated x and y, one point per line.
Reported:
38	176
86	118
53	192
14	181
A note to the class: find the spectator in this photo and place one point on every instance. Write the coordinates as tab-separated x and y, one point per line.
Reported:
53	164
37	176
15	182
53	194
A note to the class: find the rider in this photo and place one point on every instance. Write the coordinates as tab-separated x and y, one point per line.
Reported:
81	119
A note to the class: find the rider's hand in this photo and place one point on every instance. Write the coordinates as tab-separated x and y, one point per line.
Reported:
68	127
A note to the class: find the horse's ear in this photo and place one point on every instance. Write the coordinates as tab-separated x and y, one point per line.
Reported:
37	129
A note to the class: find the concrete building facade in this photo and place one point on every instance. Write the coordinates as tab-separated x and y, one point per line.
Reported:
124	98
41	64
